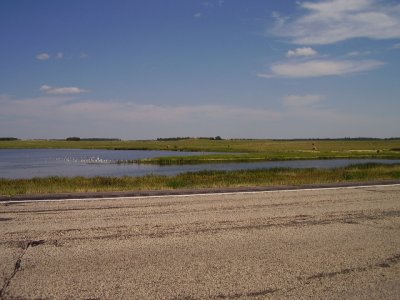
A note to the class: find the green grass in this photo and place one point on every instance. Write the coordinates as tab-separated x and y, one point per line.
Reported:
203	179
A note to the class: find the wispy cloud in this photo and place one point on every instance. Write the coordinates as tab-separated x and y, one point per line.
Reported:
331	21
358	53
298	101
118	110
126	119
305	51
197	15
62	90
127	111
301	117
396	46
211	4
43	56
318	68
83	55
59	56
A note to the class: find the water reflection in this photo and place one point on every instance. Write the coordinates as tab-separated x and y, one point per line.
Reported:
28	163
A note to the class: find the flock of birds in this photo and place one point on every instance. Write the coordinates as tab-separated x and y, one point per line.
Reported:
90	160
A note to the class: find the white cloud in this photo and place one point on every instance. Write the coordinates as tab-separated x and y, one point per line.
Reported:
318	68
197	15
305	51
331	21
296	101
62	90
60	55
43	56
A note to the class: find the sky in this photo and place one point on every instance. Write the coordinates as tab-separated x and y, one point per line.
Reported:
144	69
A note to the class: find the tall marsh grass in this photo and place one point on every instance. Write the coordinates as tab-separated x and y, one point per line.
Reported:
203	179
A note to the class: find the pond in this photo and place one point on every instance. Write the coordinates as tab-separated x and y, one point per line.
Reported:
29	163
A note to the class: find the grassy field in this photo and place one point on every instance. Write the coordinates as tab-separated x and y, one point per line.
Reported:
205	145
233	150
204	179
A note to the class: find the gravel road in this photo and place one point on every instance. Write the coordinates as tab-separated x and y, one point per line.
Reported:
317	244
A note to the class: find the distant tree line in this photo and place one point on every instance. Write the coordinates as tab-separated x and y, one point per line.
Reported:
73	138
8	139
76	138
178	138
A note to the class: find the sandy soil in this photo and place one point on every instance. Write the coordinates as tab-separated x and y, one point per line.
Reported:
321	244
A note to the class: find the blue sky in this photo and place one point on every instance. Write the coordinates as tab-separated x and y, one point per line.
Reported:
239	69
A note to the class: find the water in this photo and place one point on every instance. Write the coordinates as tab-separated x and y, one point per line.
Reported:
29	163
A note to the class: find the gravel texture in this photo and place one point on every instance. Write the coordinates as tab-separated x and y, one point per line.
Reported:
318	244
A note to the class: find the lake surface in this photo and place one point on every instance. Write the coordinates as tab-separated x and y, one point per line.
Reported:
29	163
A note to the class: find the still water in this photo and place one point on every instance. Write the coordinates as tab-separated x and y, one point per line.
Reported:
29	163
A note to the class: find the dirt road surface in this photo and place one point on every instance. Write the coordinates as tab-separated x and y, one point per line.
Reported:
318	244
